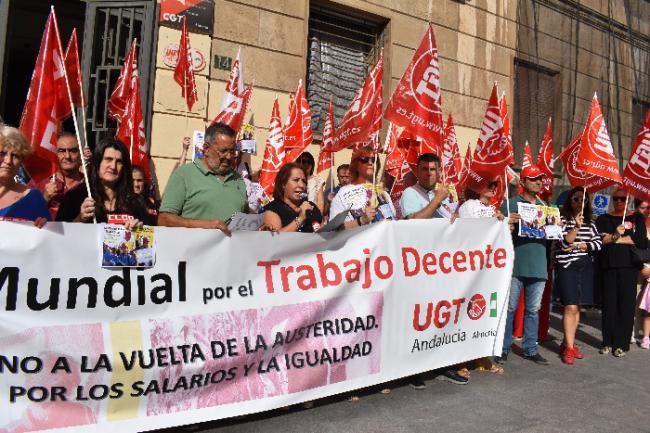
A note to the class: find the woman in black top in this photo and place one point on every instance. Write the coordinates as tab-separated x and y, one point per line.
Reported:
290	211
620	272
111	185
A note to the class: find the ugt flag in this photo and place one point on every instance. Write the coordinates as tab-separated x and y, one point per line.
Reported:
636	176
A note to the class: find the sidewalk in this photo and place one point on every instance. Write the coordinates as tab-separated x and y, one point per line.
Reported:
600	393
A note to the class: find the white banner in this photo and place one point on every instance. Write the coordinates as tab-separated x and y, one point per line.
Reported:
224	326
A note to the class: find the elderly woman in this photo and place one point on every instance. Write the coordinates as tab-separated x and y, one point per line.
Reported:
18	202
574	270
290	211
621	230
111	183
359	195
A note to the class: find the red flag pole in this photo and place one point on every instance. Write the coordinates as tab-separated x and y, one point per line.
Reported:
74	115
505	179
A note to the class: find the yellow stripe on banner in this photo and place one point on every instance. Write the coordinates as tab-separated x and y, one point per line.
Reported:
125	337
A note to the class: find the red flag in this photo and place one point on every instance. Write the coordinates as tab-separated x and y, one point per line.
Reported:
123	87
47	104
596	154
576	176
545	161
465	170
360	121
450	154
184	73
636	176
274	155
235	99
494	146
73	70
527	161
297	131
131	130
325	161
416	103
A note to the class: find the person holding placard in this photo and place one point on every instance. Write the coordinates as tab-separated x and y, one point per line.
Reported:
622	231
290	210
574	269
529	272
427	198
366	201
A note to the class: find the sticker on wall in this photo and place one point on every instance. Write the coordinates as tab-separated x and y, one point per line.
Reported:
170	57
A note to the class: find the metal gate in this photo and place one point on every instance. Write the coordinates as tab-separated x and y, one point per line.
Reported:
110	27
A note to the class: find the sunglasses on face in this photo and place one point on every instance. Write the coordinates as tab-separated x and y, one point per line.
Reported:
493	184
364	159
534	179
576	198
618	198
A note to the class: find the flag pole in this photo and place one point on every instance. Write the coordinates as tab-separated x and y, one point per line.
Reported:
332	171
505	180
627	198
74	114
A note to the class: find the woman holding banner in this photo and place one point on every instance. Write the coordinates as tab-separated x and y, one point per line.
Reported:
358	196
290	211
621	230
476	205
574	269
111	185
18	202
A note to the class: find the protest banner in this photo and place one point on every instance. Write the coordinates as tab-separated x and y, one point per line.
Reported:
224	326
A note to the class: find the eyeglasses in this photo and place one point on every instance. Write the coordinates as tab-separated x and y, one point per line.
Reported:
576	198
619	198
535	179
364	159
232	152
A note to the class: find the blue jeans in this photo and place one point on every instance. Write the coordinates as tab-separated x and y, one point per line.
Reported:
533	291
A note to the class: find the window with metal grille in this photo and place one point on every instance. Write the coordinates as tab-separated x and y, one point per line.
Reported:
110	27
343	46
534	102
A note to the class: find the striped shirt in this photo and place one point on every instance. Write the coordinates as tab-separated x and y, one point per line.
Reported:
588	233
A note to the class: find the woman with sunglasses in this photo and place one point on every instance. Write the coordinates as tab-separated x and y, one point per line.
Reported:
642	316
359	195
620	230
574	270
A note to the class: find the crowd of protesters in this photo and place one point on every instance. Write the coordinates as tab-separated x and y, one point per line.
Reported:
206	192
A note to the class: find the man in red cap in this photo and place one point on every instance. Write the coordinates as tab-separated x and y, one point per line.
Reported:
529	272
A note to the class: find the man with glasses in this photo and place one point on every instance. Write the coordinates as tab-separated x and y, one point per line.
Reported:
529	272
206	193
68	174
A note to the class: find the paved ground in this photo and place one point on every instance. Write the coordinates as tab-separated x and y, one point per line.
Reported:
598	394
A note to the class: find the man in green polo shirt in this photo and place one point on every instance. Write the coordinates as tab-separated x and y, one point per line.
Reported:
208	191
529	272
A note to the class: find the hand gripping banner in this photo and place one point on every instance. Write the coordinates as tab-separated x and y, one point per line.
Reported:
224	326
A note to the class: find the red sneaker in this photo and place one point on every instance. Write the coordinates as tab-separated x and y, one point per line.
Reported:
568	356
577	353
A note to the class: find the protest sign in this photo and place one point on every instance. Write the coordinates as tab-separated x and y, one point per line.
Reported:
539	221
121	247
198	138
224	326
246	222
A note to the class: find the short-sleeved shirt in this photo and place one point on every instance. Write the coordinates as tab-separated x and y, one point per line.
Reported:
530	253
474	208
28	208
287	215
195	192
415	198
